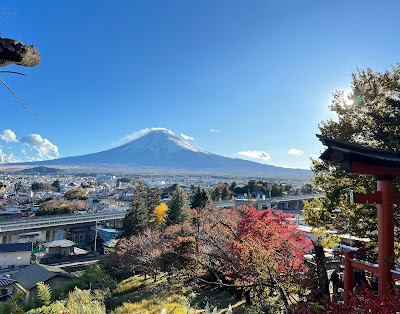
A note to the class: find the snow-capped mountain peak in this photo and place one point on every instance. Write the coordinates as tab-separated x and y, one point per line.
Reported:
160	141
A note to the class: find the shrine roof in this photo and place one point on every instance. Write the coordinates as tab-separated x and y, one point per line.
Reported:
384	162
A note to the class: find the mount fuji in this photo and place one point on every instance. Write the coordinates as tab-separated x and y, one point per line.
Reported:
160	151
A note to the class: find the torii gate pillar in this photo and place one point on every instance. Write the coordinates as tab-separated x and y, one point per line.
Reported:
385	233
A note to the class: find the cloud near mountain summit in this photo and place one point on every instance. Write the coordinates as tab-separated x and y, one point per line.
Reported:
255	154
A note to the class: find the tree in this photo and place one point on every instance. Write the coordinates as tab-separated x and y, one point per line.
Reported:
216	194
93	278
267	252
77	193
177	213
56	185
161	213
44	293
141	253
18	187
12	305
307	188
35	186
369	116
137	218
225	192
153	199
82	301
200	199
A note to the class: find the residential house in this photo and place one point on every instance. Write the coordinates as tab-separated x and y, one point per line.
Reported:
14	255
59	250
26	280
6	288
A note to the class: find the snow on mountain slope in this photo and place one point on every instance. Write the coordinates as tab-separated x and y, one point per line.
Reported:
161	142
163	151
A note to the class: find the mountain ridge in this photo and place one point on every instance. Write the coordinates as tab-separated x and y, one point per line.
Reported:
162	151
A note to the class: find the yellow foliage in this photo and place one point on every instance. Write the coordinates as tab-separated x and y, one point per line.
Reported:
161	213
326	239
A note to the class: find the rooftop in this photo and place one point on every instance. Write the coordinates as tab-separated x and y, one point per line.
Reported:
16	247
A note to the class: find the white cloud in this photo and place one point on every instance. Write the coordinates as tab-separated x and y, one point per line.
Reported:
214	130
186	137
8	136
7	158
295	151
134	136
45	149
256	154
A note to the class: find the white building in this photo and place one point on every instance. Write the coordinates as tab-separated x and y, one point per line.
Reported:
14	255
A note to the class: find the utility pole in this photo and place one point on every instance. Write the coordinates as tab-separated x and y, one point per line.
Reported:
95	237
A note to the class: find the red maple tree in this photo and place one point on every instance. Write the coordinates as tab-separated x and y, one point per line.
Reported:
268	252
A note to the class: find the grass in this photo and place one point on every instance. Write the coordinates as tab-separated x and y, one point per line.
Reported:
137	295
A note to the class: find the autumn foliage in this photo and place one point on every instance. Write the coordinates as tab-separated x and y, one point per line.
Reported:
160	213
365	302
267	252
239	248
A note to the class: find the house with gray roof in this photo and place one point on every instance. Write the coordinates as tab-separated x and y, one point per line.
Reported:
27	279
60	250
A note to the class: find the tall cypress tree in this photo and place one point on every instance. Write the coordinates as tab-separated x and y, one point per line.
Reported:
137	218
153	199
177	213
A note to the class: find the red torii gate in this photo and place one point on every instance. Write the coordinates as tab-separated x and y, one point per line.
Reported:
385	166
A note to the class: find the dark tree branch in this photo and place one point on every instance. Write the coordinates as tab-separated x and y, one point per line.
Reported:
14	52
13	72
19	100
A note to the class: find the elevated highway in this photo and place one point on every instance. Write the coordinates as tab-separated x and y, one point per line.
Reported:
39	224
292	202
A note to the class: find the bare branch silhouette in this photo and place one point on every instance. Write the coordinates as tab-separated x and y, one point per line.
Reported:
19	100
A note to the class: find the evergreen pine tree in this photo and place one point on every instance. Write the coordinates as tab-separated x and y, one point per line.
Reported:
137	218
177	213
225	192
153	199
200	199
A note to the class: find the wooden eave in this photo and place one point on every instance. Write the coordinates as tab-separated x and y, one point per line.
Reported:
359	159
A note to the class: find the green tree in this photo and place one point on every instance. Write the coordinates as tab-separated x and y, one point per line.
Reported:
200	199
56	185
18	187
35	186
224	192
369	116
82	301
77	193
138	216
216	194
153	199
307	188
44	293
177	213
12	305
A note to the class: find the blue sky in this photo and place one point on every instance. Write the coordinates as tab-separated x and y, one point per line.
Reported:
240	78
